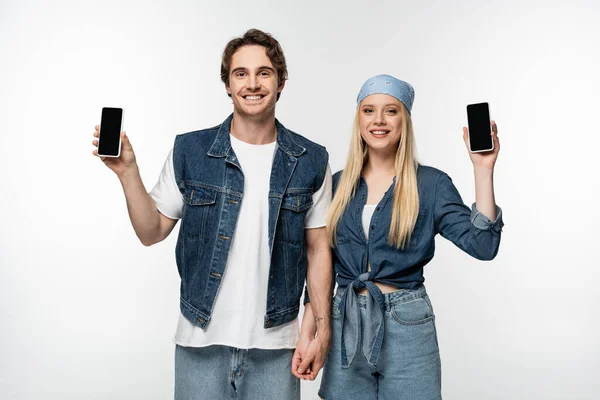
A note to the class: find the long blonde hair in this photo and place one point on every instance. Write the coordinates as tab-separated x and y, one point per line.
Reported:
406	194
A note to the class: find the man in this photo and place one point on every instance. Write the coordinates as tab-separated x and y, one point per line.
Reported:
252	198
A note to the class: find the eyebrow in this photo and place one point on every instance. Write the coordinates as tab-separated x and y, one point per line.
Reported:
263	67
387	105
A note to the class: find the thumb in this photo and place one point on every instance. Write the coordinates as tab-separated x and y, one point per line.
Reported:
304	365
466	137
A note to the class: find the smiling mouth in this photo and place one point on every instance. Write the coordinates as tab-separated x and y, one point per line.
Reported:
253	97
379	132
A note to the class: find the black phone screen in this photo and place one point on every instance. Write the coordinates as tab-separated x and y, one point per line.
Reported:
479	127
110	131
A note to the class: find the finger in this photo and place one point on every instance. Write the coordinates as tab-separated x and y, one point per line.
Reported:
304	366
296	361
466	137
95	143
95	152
496	141
97	127
125	141
494	127
97	134
295	373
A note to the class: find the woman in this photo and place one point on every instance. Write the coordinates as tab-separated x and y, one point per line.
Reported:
384	216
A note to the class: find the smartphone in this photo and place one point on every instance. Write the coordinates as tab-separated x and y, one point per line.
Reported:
109	142
480	138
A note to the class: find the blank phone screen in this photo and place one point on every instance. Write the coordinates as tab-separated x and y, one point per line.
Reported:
110	131
479	127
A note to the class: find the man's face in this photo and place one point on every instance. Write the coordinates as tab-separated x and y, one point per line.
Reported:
253	82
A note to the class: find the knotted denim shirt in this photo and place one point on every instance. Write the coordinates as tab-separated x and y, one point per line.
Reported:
441	210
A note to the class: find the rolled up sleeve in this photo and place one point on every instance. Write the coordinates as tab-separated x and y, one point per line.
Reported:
469	229
481	221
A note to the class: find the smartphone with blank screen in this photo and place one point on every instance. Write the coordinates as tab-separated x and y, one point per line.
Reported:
109	141
480	138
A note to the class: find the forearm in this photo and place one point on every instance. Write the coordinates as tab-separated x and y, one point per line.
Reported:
308	329
484	192
319	281
142	209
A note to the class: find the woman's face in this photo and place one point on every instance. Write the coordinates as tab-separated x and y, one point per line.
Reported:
380	122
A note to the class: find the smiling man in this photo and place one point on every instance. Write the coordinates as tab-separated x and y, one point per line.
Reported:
252	197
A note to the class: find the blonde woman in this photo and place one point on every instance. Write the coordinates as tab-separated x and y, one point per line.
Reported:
384	216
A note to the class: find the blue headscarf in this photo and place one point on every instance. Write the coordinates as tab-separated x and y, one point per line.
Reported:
386	84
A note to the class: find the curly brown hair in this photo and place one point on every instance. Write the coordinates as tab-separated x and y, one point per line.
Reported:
260	38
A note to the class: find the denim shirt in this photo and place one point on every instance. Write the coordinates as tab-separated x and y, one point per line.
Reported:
211	182
441	210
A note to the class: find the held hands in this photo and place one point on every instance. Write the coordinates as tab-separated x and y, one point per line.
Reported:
488	159
123	164
309	357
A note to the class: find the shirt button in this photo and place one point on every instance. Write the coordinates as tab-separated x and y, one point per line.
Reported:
378	208
372	227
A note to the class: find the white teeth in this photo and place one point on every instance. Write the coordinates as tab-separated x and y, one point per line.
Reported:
379	132
253	97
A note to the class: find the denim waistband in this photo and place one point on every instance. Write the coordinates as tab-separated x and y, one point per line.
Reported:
390	299
376	304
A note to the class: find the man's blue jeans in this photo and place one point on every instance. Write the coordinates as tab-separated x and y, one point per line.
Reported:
222	372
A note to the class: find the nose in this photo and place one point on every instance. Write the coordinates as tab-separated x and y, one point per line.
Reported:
380	118
253	82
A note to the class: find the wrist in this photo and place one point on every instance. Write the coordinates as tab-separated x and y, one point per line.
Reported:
483	173
324	338
129	174
483	168
323	330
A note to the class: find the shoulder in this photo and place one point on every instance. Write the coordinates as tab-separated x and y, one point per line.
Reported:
336	179
337	176
199	136
428	175
312	148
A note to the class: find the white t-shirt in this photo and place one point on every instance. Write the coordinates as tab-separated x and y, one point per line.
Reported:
367	215
240	306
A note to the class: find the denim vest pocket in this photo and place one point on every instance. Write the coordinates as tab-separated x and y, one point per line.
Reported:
294	206
198	195
198	203
413	312
297	200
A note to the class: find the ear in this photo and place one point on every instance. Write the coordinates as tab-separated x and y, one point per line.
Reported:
228	89
280	88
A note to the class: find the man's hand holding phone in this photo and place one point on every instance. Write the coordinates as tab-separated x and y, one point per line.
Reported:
112	145
126	160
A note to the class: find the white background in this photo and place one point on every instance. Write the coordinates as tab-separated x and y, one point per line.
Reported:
87	312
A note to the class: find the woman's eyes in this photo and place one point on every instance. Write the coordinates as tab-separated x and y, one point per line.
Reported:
390	111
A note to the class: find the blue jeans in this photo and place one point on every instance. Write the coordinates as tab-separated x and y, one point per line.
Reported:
222	372
408	367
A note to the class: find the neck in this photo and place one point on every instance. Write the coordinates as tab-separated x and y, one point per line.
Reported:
253	130
380	163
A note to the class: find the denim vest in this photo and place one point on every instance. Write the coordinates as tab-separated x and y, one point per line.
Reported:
211	182
441	211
